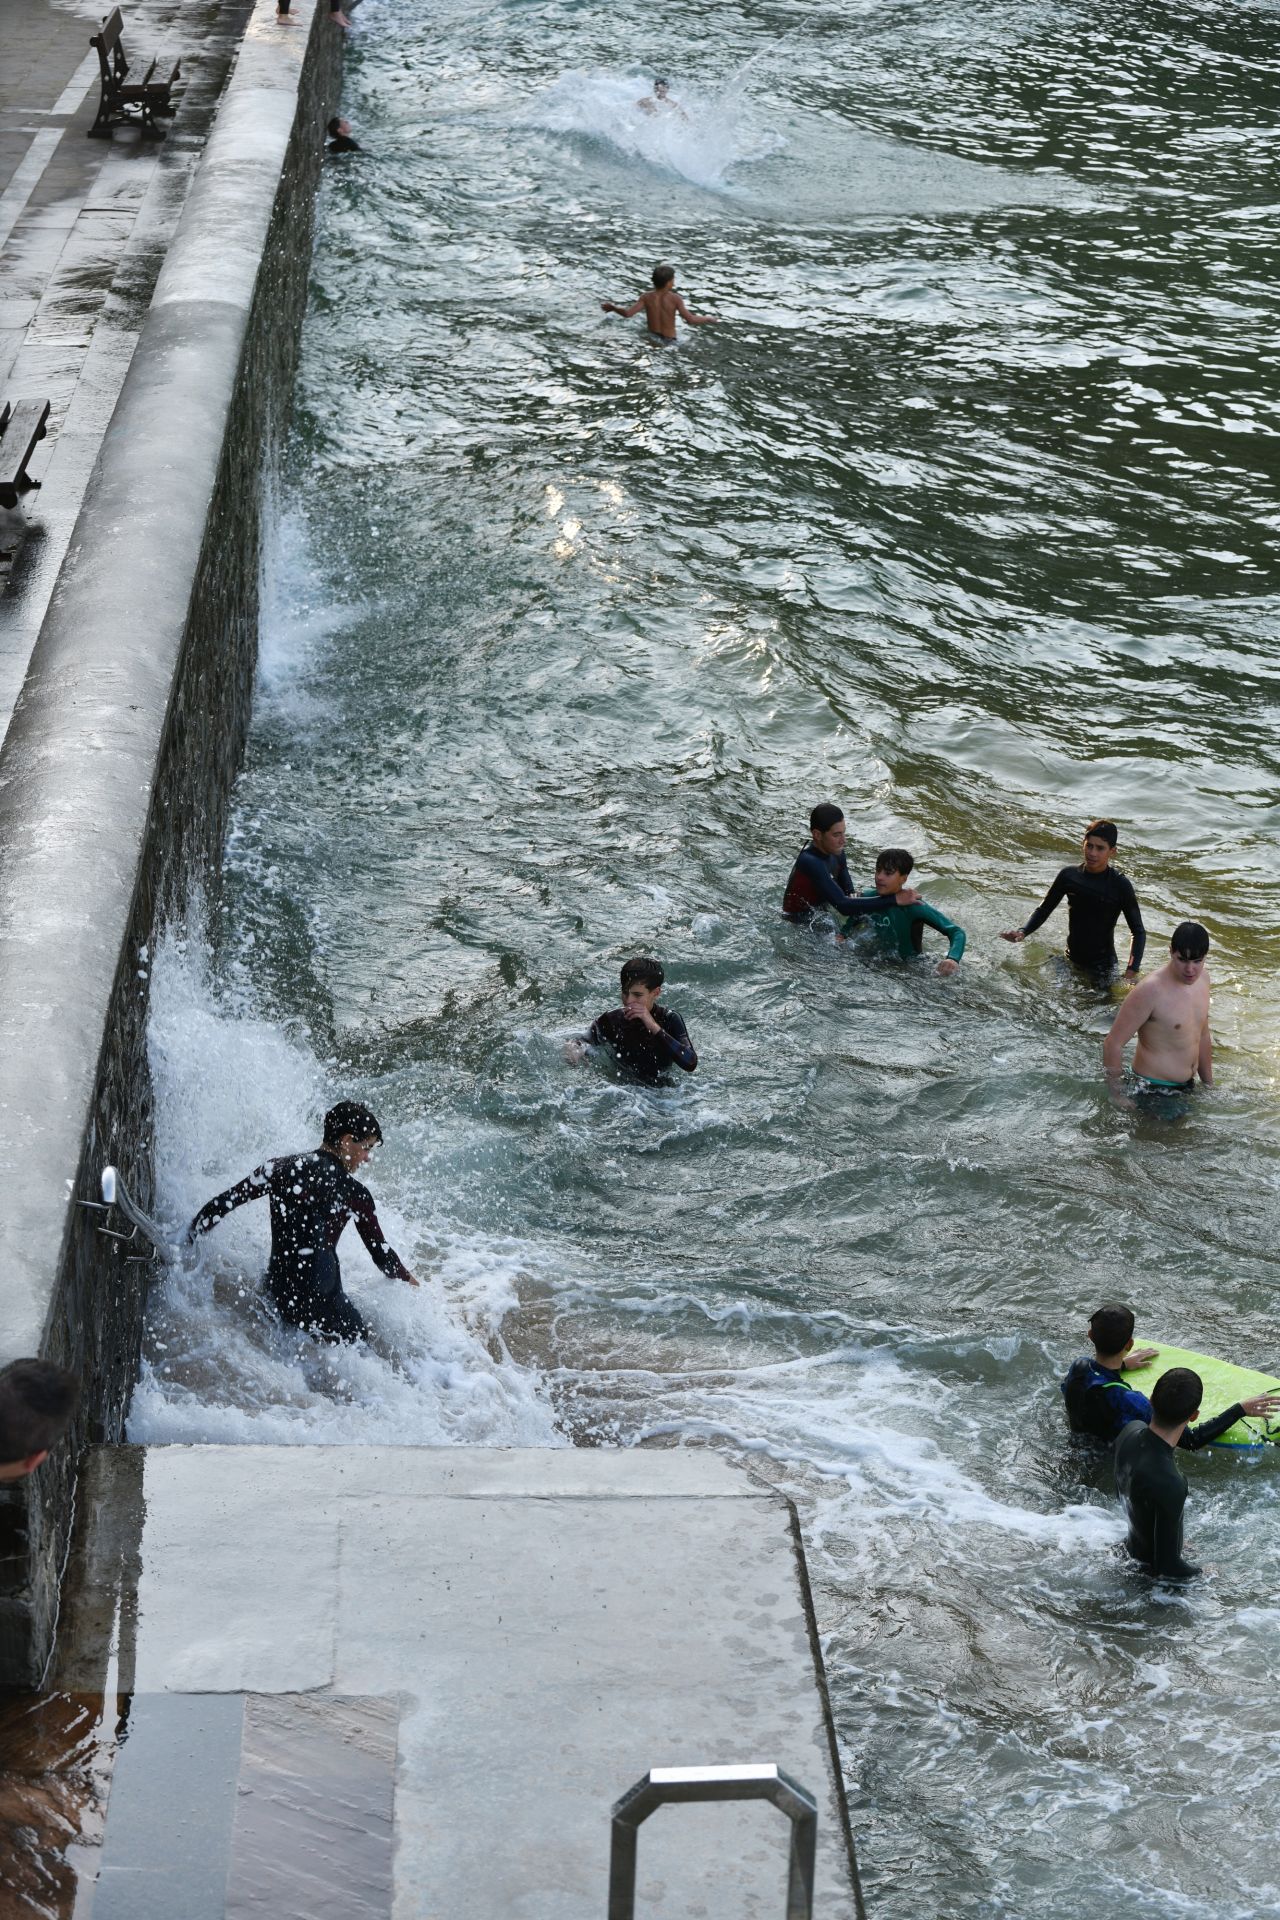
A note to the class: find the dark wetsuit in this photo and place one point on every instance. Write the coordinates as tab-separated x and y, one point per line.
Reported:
312	1198
821	882
1099	1404
343	143
644	1054
1153	1489
1095	902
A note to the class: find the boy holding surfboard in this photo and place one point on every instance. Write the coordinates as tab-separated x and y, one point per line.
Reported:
1100	1404
1148	1478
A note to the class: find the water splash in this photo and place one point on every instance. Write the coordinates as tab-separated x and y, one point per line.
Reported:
232	1087
701	138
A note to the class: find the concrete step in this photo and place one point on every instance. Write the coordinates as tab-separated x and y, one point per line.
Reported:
479	1650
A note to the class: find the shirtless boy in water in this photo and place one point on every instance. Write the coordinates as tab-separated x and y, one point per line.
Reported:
1169	1013
661	306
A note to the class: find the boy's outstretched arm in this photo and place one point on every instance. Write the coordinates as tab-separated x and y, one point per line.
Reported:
1056	893
611	306
696	319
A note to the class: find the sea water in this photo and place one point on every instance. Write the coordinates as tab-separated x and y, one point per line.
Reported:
966	518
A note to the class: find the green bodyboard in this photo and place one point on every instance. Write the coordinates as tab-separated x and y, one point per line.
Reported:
1223	1383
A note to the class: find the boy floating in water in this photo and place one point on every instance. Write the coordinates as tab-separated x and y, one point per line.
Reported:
1096	894
820	882
646	1039
901	930
313	1195
1169	1013
660	101
661	305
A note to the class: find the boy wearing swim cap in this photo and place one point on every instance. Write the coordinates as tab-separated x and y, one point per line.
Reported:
1169	1014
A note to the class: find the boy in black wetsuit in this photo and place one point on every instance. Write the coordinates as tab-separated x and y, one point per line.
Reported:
820	880
313	1195
340	140
646	1039
1147	1475
1096	894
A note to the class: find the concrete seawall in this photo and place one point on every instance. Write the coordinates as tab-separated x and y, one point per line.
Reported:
117	765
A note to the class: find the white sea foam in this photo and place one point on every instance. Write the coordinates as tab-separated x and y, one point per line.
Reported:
232	1087
701	140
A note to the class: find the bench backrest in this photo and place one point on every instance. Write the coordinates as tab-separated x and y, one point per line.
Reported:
111	55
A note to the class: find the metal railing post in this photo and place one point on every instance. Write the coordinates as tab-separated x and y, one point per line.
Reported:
665	1786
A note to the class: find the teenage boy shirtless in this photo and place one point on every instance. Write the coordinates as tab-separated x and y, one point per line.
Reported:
660	304
1169	1014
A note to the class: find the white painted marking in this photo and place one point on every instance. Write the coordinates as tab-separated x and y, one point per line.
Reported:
26	179
85	76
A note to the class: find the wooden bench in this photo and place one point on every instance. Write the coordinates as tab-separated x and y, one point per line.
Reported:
21	426
123	102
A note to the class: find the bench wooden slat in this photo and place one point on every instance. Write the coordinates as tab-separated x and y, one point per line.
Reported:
22	425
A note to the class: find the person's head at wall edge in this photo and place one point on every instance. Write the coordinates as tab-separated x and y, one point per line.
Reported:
1176	1396
351	1132
38	1401
1111	1330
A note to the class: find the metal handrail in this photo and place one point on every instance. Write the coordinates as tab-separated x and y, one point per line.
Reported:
662	1786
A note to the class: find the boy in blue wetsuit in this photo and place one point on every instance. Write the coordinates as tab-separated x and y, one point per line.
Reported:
820	882
901	930
1100	1405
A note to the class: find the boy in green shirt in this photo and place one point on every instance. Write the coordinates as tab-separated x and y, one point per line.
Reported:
900	930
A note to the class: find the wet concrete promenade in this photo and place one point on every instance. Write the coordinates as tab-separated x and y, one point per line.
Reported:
362	1682
84	228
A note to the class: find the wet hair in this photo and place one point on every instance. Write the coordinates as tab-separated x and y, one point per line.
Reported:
663	276
1176	1395
1111	1328
825	816
1102	830
661	83
642	973
894	860
334	124
349	1117
37	1401
1190	940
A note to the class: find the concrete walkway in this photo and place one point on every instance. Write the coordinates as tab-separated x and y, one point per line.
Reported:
84	227
367	1682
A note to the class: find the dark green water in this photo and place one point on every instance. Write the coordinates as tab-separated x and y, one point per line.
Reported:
966	517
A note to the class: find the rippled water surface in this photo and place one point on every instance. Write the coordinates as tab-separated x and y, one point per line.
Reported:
965	517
